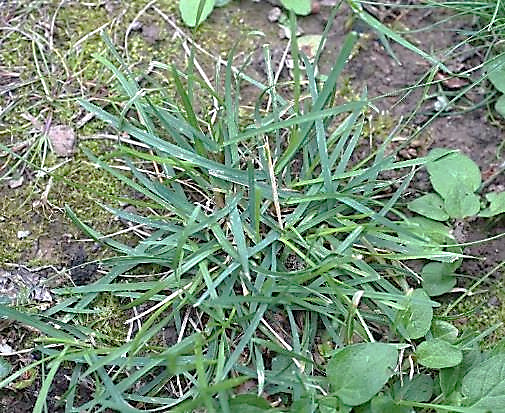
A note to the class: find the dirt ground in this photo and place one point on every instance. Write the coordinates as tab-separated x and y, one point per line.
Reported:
53	239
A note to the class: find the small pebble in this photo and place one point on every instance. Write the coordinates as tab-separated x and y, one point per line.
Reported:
285	32
404	154
5	348
274	14
62	139
136	25
412	152
96	247
494	301
23	234
16	183
315	7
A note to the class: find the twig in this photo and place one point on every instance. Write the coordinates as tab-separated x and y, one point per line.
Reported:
489	180
183	326
278	73
282	342
167	299
131	25
134	228
275	194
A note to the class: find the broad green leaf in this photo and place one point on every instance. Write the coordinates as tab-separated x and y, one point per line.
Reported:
281	363
5	368
496	204
305	404
430	206
444	331
433	231
249	403
189	11
500	105
438	278
452	377
438	354
384	403
484	386
331	404
456	399
302	7
496	73
460	202
359	371
454	170
419	389
415	320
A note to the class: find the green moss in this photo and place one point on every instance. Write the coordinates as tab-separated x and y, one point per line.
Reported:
84	185
485	312
346	90
18	215
379	126
109	320
70	73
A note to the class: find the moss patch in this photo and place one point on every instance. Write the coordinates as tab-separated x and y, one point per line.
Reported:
49	56
485	311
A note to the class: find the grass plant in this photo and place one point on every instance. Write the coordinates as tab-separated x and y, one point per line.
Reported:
282	281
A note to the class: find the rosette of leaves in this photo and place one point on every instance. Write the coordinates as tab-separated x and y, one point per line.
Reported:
456	180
